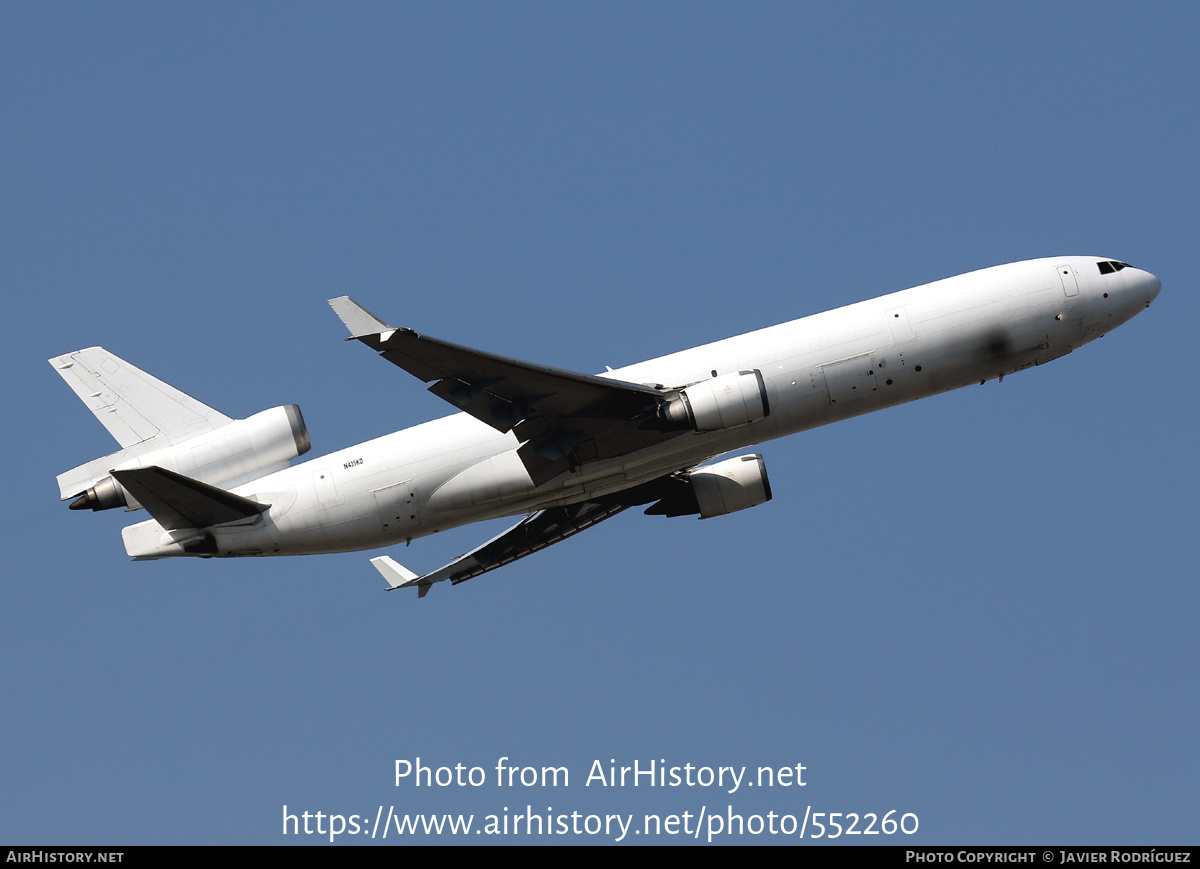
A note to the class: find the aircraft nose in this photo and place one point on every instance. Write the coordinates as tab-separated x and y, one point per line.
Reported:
1131	295
1154	285
1144	285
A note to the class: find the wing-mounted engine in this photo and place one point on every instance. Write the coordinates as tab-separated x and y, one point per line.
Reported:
721	403
714	490
241	450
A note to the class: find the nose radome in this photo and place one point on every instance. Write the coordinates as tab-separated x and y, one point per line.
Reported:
1154	286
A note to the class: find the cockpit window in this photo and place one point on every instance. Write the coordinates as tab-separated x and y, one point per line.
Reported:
1107	267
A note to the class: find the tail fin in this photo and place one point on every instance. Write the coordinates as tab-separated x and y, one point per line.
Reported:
140	411
131	404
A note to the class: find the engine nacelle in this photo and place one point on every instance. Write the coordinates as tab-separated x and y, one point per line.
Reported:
730	485
230	455
723	402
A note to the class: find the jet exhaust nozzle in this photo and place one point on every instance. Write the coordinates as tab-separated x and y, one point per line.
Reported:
105	495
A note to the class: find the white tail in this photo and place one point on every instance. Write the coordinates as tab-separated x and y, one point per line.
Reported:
157	425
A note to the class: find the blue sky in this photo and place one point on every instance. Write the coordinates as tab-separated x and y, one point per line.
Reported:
979	608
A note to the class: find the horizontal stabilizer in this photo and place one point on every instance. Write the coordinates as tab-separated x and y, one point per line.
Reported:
178	502
356	318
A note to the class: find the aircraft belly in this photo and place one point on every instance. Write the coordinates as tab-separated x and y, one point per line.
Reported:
499	477
399	509
352	524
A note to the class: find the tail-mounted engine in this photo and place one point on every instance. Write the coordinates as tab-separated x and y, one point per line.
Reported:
238	451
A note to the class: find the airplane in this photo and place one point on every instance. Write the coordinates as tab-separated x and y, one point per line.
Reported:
563	450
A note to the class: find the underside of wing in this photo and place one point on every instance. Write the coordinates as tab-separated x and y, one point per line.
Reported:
672	496
531	534
565	419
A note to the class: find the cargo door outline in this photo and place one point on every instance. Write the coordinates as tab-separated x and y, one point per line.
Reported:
850	380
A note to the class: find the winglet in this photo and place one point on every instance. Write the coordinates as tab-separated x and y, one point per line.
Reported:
356	318
397	575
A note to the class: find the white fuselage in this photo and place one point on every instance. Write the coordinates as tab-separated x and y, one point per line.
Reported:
817	370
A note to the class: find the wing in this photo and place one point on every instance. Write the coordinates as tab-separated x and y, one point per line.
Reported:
531	534
564	418
672	494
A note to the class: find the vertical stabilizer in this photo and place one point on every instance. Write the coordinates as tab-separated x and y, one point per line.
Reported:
131	404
